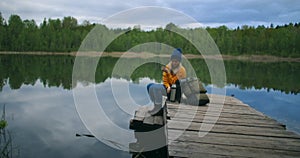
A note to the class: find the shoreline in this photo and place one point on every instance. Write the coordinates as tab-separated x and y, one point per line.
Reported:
252	58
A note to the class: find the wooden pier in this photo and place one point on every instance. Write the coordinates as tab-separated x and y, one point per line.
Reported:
239	131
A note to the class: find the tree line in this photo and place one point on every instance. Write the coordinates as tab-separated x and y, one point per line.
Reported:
66	35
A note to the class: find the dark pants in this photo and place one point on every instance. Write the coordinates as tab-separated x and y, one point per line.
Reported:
178	92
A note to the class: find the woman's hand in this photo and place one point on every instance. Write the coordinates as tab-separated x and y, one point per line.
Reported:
164	69
168	89
167	70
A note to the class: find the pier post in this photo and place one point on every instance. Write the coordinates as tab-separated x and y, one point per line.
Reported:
149	130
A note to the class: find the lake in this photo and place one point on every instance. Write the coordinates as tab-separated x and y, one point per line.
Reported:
43	119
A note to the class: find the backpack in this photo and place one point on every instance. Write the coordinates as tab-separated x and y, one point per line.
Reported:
194	91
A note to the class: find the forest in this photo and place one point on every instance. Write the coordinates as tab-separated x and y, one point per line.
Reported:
66	35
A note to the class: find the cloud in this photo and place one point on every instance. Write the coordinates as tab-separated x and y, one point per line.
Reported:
207	12
148	16
242	12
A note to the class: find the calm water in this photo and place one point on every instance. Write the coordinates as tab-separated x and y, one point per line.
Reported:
43	120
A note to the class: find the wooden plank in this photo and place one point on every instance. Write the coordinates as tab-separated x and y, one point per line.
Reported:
226	100
211	106
222	119
237	140
199	114
179	154
149	123
144	121
224	109
242	130
236	121
141	112
149	120
158	120
244	111
221	114
138	117
246	124
217	111
230	151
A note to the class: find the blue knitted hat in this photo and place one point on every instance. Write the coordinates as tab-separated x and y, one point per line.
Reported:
148	86
177	53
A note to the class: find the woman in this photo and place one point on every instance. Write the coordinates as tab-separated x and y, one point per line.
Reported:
173	72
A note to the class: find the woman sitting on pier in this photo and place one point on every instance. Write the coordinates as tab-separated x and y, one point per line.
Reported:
173	72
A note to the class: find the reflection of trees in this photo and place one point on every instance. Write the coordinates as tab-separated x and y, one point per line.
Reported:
26	69
151	70
281	76
57	71
278	75
7	149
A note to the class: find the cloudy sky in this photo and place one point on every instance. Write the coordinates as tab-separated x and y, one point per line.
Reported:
231	13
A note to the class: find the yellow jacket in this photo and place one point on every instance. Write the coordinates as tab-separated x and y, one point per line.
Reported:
170	78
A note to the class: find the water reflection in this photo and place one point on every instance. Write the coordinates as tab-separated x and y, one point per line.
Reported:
7	147
45	121
41	111
57	71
